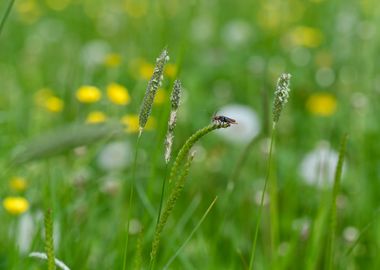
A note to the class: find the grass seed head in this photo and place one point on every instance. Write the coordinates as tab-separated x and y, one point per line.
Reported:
174	99
281	95
151	90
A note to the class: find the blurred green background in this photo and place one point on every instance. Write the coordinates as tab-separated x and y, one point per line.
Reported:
228	55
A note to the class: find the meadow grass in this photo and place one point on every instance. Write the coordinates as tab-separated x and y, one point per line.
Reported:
115	208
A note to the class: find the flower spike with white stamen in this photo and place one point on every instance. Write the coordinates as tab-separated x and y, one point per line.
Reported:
174	99
281	96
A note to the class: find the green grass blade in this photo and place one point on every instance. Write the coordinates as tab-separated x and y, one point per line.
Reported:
65	138
49	242
172	200
191	234
253	250
6	15
130	205
336	188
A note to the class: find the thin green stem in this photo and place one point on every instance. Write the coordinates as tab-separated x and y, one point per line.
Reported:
49	242
152	263
273	215
336	188
131	195
172	200
262	199
6	14
162	196
191	234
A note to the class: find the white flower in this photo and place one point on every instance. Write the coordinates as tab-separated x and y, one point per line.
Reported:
258	197
114	156
325	77
110	186
318	166
202	29
300	56
351	234
26	232
236	33
94	52
135	226
302	225
248	125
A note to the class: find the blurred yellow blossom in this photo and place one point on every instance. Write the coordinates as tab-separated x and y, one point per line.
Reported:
171	70
96	117
118	94
112	60
321	104
88	94
269	16
18	183
160	96
136	8
145	70
131	122
29	11
15	205
57	5
306	36
45	98
54	104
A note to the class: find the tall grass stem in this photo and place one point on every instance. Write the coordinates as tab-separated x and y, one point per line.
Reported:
130	205
253	250
336	188
191	234
172	200
49	242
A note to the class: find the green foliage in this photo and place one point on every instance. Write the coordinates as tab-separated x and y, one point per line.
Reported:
49	241
171	202
63	139
335	193
225	53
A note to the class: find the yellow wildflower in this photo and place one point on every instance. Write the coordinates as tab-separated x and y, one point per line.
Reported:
57	5
136	8
146	70
96	117
306	36
269	16
15	205
18	183
45	98
132	123
118	94
112	60
160	96
54	104
171	70
88	94
321	104
29	11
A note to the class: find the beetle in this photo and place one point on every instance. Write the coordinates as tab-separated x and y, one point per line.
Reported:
220	119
